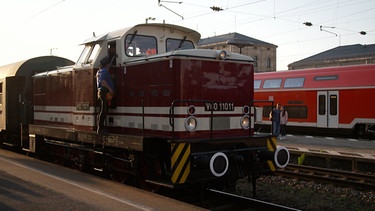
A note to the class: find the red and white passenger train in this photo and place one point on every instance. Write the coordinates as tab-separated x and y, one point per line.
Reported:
180	116
332	100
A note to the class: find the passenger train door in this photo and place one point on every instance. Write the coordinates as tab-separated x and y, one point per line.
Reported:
328	109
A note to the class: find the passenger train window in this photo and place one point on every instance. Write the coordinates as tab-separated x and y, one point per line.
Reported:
140	45
257	84
322	104
176	44
294	82
272	83
297	112
333	105
326	78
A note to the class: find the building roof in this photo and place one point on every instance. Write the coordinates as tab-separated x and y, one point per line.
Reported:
340	53
233	39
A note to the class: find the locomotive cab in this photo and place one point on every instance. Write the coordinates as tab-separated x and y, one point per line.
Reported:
128	44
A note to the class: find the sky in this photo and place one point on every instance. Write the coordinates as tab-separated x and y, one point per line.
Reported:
57	27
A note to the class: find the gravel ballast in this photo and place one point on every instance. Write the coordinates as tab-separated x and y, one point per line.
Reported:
307	195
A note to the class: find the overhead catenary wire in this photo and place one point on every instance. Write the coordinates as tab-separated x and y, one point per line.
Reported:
42	11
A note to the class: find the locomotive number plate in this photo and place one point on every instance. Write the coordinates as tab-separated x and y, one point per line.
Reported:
219	106
83	106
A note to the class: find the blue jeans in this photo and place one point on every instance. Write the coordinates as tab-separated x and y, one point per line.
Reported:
275	128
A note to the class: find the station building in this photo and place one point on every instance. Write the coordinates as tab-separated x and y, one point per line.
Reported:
262	52
339	56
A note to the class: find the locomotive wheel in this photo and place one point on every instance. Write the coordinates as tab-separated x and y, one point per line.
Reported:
360	131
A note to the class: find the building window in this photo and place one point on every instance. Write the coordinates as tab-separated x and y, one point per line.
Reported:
268	62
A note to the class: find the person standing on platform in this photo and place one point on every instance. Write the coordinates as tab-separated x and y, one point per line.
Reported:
274	116
283	121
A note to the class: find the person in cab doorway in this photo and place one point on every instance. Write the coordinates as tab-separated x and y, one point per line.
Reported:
106	89
283	121
274	116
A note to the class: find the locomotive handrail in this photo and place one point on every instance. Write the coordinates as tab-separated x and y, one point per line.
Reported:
263	101
171	113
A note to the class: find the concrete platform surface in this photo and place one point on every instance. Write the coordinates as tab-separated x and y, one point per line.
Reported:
31	184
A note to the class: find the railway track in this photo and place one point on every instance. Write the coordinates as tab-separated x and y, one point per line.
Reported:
346	178
219	200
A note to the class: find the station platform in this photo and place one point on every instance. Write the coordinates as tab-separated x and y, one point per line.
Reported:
31	184
362	147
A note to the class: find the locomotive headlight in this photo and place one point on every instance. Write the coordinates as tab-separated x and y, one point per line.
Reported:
191	124
222	55
246	109
245	122
191	110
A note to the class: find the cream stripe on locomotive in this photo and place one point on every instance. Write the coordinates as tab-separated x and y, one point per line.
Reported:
63	109
165	110
133	110
69	115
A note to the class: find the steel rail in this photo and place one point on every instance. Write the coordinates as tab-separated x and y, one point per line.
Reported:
230	201
338	177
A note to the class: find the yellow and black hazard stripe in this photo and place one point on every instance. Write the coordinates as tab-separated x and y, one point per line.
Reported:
180	161
272	146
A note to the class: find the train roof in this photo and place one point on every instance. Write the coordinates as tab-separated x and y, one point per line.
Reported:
324	78
148	26
35	65
169	42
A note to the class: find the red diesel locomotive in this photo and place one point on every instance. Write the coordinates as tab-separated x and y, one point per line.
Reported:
332	100
180	116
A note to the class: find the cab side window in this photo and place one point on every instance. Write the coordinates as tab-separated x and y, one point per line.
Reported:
112	55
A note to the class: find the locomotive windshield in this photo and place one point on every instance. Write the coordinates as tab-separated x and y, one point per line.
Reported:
139	45
88	54
176	44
